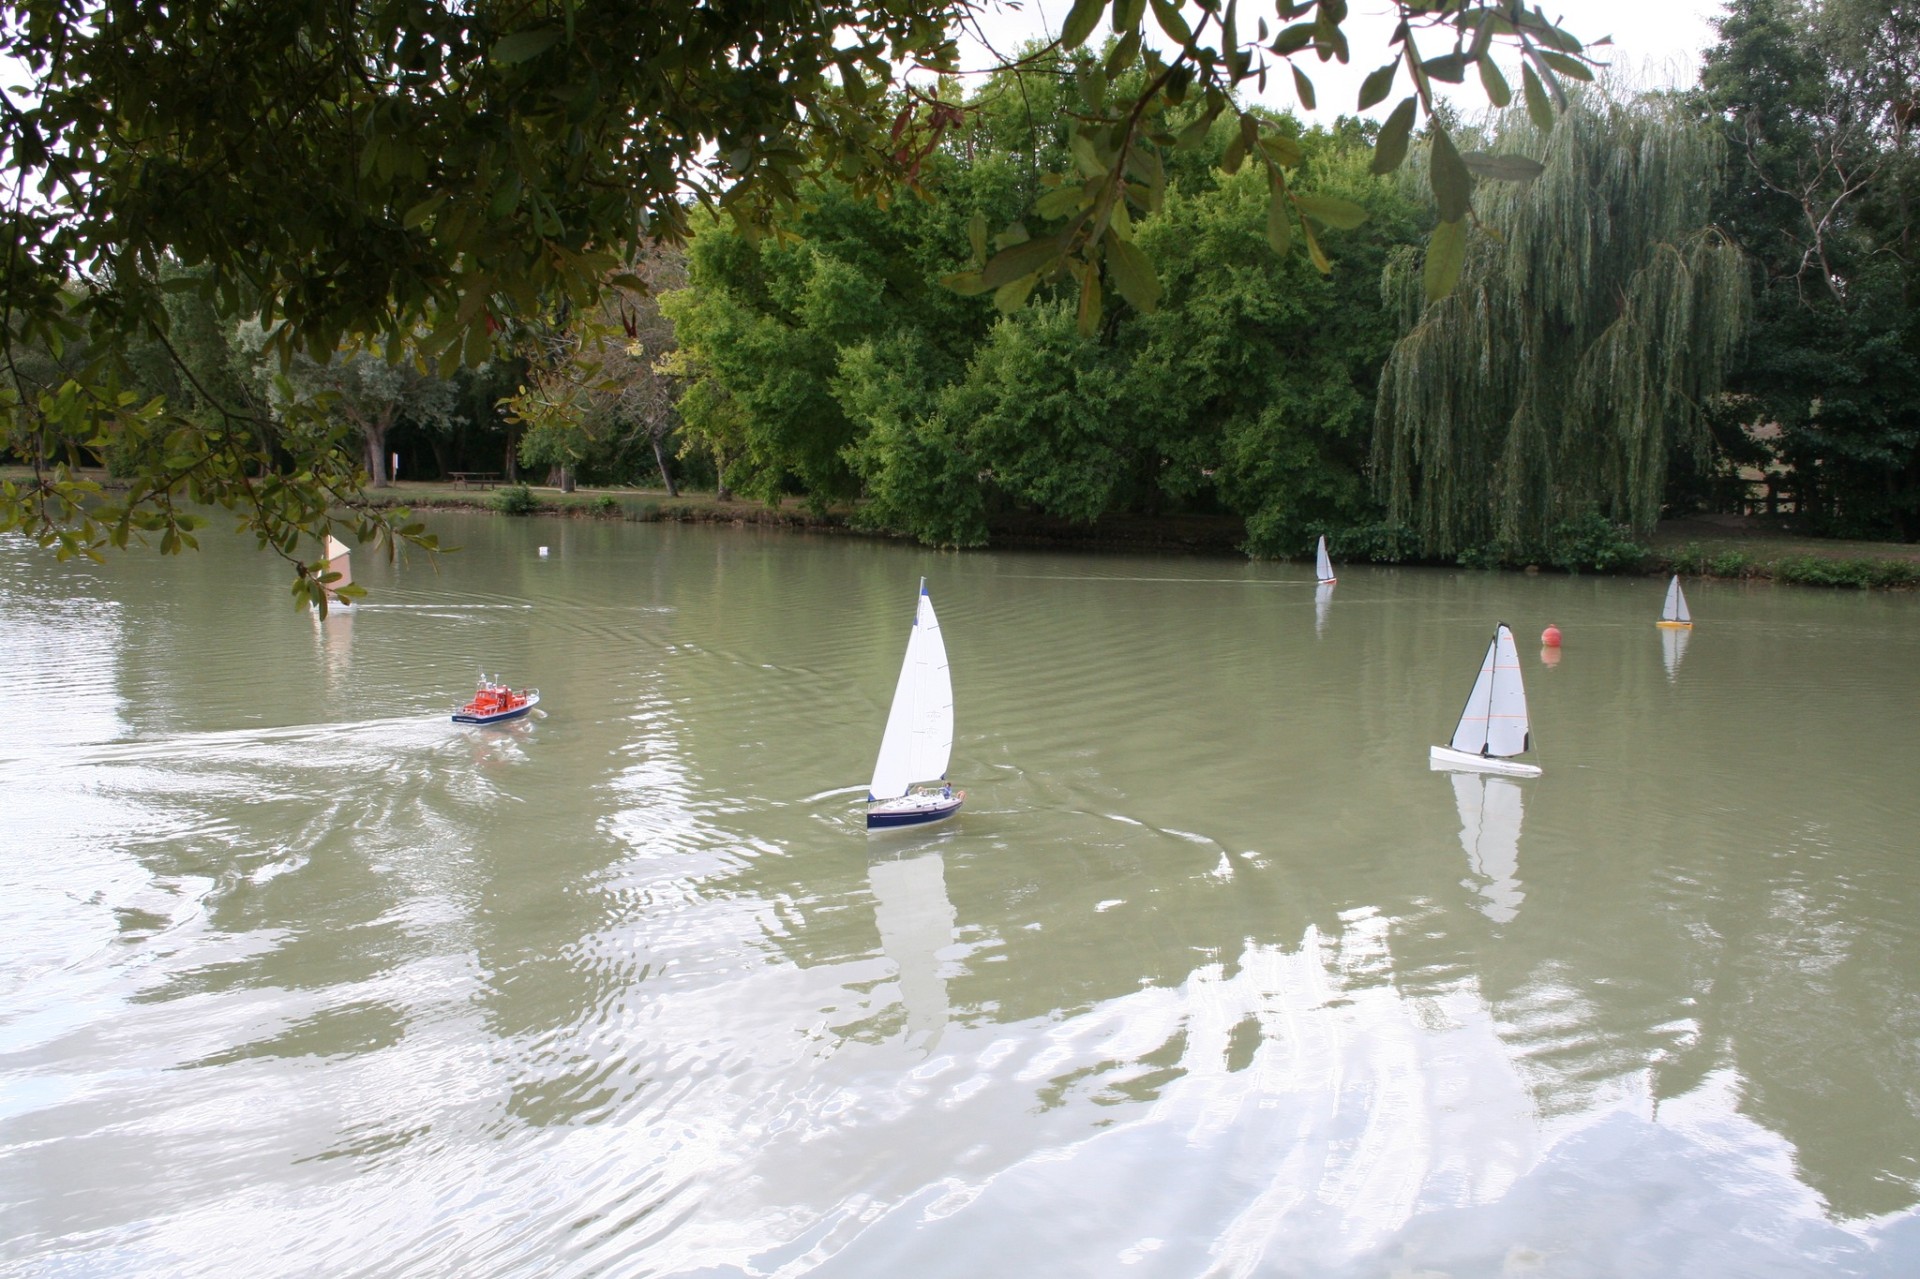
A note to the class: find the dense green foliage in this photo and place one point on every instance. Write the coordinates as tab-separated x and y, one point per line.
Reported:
413	177
835	363
1819	102
1589	329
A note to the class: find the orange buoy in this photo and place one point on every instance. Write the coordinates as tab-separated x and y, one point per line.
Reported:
1550	638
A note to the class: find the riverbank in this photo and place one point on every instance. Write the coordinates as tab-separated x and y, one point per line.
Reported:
1722	546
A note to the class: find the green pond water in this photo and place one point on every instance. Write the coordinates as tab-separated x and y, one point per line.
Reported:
1212	976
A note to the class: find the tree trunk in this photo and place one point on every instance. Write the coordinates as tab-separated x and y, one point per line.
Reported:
566	479
375	432
666	475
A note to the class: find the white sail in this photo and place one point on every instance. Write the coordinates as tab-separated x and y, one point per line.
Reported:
1322	566
1495	720
1675	609
919	736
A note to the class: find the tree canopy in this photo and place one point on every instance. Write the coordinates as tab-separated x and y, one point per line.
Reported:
407	173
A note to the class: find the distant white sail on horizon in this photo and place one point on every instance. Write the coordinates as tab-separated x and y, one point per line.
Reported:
918	740
1495	719
1322	565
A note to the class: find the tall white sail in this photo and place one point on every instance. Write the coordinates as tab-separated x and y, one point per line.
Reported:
1495	719
1675	609
1322	566
919	737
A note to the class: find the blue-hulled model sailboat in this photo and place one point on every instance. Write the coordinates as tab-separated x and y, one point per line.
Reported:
909	778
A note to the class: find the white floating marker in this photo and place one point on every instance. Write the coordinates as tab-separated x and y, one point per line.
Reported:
543	552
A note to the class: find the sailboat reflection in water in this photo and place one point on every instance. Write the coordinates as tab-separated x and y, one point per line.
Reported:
915	918
1490	812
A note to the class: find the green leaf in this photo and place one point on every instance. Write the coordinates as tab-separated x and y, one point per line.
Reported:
1494	83
523	45
1167	14
1391	149
1279	218
1378	85
1282	150
1011	296
977	235
1089	316
967	284
1450	67
1503	168
1134	276
1080	21
1022	259
1303	87
1571	67
1341	214
1127	15
1539	106
1446	255
1315	253
420	212
1452	184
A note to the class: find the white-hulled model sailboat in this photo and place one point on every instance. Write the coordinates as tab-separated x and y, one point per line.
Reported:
909	778
1673	613
1322	566
1493	727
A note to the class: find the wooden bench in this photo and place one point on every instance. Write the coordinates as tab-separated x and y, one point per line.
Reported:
474	479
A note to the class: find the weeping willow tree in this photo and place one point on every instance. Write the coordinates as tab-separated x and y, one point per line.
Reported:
1597	310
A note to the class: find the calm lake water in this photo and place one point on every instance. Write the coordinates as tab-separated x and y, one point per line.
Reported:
1212	976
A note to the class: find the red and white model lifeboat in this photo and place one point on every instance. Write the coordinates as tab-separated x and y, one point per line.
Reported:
492	703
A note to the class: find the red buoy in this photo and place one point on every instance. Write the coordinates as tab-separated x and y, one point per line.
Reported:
1550	638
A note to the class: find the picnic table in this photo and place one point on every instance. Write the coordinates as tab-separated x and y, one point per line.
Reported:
474	479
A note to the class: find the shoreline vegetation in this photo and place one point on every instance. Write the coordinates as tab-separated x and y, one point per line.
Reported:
1751	548
1718	546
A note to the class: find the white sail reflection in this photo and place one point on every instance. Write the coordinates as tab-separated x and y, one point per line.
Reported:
1490	812
915	918
1673	647
1322	601
333	635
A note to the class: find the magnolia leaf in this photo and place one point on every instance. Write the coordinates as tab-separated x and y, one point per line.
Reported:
1303	87
1011	296
1134	276
1127	15
977	235
1503	168
1539	106
1446	255
1494	83
1566	66
1375	88
1450	67
1282	150
967	284
1390	151
1332	210
1022	259
1089	316
1080	22
1452	184
1167	14
523	45
1279	218
1315	252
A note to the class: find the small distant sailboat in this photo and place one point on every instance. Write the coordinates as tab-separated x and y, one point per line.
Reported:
1674	612
918	740
1322	566
1493	728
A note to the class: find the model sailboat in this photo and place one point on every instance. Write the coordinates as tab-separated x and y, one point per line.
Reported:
1493	728
1322	566
909	778
1674	612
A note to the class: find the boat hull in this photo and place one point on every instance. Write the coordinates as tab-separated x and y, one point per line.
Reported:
1674	626
1446	759
913	810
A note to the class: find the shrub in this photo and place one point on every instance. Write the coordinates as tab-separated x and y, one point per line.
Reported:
1596	543
608	504
1816	570
641	512
516	499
